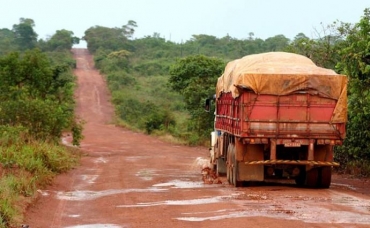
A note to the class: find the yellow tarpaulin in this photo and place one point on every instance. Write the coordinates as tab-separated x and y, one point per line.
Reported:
281	73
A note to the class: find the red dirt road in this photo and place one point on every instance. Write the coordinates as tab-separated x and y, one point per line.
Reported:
130	179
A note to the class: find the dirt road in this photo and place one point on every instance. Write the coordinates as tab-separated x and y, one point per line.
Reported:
129	179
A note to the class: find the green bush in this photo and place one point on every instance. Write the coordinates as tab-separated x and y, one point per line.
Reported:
37	93
120	79
152	67
25	166
44	119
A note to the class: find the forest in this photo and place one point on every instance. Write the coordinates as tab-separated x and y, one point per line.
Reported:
157	86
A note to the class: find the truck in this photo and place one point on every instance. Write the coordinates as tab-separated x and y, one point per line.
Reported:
278	116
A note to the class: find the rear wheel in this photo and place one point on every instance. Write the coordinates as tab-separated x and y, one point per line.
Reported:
235	168
232	164
312	177
231	176
325	177
301	178
221	167
228	173
228	164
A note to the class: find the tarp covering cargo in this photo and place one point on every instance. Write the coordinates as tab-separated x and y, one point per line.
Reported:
281	73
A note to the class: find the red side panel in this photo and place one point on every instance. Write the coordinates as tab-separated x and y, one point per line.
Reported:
302	115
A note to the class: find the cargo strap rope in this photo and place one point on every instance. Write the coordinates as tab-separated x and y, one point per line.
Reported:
292	162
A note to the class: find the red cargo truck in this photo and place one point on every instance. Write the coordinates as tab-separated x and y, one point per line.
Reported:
278	115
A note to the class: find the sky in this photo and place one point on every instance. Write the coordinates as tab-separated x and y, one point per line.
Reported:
178	20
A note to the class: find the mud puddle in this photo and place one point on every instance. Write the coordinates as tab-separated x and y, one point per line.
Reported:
146	174
136	158
90	179
350	187
96	226
92	195
184	184
347	209
201	201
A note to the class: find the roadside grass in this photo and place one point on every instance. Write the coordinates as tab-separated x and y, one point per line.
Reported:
26	167
357	168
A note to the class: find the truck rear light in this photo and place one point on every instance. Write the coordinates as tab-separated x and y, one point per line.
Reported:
329	142
256	141
250	141
296	171
270	171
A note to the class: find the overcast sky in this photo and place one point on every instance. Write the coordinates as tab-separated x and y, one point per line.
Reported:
178	20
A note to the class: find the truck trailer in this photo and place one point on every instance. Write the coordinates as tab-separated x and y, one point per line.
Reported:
278	116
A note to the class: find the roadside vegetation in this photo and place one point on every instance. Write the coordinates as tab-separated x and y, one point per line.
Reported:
36	107
158	86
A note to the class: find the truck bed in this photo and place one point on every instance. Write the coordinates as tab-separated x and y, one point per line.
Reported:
298	115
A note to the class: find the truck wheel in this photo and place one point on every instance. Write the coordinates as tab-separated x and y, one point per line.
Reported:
301	178
228	164
235	168
228	173
231	175
312	177
231	162
325	177
221	167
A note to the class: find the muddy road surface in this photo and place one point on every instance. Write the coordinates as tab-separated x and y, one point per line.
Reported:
129	179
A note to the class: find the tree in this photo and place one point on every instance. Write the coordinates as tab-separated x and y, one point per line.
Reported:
116	61
7	43
37	95
25	36
195	78
27	75
204	40
276	43
355	62
112	39
129	29
62	40
323	50
302	45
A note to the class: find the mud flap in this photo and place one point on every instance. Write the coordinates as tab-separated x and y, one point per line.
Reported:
250	172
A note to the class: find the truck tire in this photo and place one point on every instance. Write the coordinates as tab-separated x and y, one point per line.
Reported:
235	168
312	177
325	177
232	164
301	178
228	165
221	167
228	173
